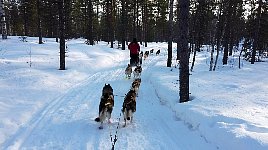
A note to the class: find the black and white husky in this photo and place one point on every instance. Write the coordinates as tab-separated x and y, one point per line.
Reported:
107	89
106	105
137	72
129	106
157	52
128	71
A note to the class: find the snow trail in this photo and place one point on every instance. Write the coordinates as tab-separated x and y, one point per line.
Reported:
72	106
68	121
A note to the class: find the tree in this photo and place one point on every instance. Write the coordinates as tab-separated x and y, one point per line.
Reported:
219	31
161	20
123	24
25	16
212	34
256	37
61	33
170	39
121	20
228	13
149	22
183	47
200	19
89	22
39	22
3	20
145	23
108	21
230	16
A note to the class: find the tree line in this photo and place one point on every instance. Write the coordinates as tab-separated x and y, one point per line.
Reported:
221	24
214	22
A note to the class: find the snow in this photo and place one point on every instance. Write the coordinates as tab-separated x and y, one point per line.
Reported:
42	107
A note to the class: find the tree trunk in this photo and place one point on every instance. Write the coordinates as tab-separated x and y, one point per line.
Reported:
225	51
229	13
110	21
169	60
211	57
226	40
98	28
62	34
3	20
39	22
184	60
123	24
212	41
218	35
25	21
89	23
217	54
198	48
239	60
256	36
146	24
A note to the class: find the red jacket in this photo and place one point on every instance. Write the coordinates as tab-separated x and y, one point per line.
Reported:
134	48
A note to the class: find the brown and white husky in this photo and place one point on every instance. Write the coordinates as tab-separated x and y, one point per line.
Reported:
128	71
129	106
106	105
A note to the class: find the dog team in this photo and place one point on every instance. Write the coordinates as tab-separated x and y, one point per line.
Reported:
107	103
146	54
138	69
136	73
129	105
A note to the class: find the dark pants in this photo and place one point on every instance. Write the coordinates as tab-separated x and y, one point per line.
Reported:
134	59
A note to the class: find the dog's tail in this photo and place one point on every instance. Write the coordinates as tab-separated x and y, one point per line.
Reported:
97	119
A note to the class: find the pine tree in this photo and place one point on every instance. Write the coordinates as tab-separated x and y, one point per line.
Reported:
89	22
170	36
184	56
3	20
257	32
39	22
61	33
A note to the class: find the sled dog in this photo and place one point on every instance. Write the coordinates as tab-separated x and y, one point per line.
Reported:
106	105
105	109
107	89
136	85
128	71
141	53
140	57
129	106
157	52
151	51
137	72
146	54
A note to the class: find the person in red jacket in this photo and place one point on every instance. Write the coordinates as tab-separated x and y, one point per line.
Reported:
134	48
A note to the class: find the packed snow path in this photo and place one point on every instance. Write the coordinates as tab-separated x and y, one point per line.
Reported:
68	121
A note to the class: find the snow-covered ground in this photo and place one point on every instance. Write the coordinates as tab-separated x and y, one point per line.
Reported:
42	107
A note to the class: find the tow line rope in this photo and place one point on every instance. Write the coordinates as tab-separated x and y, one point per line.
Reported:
115	138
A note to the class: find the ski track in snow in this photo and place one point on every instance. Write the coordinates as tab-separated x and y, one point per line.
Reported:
76	110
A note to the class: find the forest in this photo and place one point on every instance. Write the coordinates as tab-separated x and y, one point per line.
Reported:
195	94
214	22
